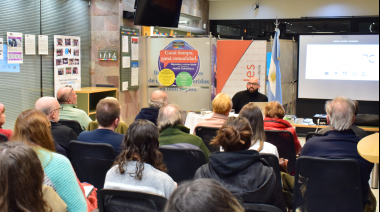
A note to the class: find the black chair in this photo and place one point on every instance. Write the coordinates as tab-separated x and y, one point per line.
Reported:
273	162
182	163
126	201
3	138
327	185
72	124
91	161
284	142
207	134
250	207
312	134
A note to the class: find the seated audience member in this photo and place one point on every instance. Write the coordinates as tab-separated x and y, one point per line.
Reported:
32	128
22	180
237	162
202	195
341	142
121	128
67	98
358	131
140	165
61	133
172	131
274	114
157	100
108	117
5	132
255	117
221	105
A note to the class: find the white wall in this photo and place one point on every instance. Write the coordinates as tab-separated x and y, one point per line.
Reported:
269	9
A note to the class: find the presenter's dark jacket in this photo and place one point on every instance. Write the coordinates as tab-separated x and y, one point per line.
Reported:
340	145
180	134
149	113
246	176
62	134
103	136
244	97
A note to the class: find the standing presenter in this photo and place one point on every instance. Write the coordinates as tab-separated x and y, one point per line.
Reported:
250	95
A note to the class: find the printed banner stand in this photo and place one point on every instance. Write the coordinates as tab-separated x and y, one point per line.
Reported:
67	62
129	62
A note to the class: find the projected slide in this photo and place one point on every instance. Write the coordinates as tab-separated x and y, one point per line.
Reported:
342	62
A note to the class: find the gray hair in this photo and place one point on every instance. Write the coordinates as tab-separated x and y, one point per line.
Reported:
341	112
169	116
158	103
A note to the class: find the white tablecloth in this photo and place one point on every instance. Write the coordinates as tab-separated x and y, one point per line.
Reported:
193	119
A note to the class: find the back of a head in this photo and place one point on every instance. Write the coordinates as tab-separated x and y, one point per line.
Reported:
274	110
341	113
46	104
202	195
32	126
141	144
21	178
158	99
222	104
107	111
169	116
234	135
255	117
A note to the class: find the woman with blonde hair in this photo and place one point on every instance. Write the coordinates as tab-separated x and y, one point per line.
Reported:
32	127
5	132
21	181
255	117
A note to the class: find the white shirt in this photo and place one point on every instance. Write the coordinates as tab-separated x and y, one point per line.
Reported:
268	148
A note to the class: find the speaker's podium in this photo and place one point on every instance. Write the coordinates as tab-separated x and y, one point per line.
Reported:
89	97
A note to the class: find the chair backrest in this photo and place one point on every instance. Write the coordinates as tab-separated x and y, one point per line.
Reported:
273	162
72	124
182	163
251	207
312	134
284	142
116	200
3	138
327	185
91	161
207	134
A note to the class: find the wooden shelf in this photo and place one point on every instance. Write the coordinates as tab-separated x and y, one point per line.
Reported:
89	97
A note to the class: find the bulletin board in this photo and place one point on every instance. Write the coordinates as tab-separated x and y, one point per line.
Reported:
129	60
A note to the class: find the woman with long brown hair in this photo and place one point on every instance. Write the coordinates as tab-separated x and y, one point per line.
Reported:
255	117
241	170
140	166
21	181
32	127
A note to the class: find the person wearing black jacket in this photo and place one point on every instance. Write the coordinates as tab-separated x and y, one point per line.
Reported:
157	100
240	170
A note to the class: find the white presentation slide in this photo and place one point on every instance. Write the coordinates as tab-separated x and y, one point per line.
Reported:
339	65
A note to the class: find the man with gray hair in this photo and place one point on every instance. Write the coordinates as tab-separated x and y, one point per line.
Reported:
157	100
341	142
62	134
173	133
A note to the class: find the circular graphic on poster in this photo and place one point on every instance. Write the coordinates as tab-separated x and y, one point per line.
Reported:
179	57
184	79
166	77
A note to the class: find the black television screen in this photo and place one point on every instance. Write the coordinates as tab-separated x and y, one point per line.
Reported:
163	13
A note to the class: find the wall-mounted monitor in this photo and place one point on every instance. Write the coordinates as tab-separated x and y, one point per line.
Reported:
162	13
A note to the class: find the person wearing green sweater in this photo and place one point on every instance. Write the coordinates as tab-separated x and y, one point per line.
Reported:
172	131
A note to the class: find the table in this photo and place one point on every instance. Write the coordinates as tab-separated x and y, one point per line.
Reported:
300	123
368	148
193	119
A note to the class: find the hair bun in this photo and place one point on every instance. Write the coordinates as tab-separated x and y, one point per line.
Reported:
233	134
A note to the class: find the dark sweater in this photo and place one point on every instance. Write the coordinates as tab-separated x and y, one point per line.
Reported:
244	97
149	113
62	134
103	136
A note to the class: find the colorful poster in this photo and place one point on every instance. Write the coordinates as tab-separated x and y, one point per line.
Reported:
4	66
181	60
30	44
15	53
1	49
213	70
43	44
135	48
67	62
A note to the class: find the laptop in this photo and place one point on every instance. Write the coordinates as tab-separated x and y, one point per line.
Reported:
262	106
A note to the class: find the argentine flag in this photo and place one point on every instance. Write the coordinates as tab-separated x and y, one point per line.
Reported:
274	77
